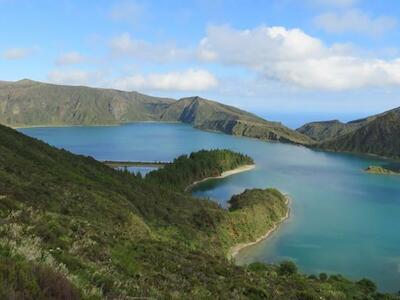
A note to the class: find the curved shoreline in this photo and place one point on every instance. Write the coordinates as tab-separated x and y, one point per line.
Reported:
240	169
234	250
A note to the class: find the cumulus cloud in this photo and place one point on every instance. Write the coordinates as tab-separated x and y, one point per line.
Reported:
125	45
291	56
355	21
70	58
190	81
18	53
74	77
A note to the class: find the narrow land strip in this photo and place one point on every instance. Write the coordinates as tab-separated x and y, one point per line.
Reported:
122	164
240	169
234	251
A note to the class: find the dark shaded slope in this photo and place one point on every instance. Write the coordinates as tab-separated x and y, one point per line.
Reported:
379	137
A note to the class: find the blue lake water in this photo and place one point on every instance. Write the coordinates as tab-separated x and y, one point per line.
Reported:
142	170
343	220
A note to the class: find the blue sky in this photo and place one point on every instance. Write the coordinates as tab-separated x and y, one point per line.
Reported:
285	59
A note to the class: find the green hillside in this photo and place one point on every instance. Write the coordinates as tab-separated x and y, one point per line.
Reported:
209	115
74	228
30	103
375	135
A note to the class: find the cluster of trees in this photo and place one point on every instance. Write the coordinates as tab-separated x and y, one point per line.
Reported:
185	169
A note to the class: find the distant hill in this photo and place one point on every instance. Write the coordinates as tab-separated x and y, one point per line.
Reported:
31	103
209	115
378	135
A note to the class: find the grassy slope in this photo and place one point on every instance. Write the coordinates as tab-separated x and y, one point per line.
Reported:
33	103
109	233
378	135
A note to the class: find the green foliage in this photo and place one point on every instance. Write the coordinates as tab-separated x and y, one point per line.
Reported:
287	268
20	279
73	228
198	165
378	135
367	285
323	276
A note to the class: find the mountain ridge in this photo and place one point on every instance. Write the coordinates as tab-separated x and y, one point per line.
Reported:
374	135
31	103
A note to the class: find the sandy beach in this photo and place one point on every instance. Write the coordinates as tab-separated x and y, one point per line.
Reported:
233	251
241	169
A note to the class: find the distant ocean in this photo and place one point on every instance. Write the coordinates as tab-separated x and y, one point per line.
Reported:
295	120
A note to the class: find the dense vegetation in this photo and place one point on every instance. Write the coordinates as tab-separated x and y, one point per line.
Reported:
377	135
247	219
27	103
73	228
198	165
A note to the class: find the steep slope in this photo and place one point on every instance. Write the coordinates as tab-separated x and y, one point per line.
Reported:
74	228
380	136
27	103
324	130
209	115
30	103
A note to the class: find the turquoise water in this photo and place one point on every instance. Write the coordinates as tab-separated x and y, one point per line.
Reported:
343	220
142	170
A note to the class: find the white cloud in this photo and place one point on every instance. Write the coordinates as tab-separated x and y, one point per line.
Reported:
74	77
125	45
70	58
18	53
293	57
127	11
355	21
190	81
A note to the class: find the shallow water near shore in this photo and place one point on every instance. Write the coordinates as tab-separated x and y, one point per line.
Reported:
343	220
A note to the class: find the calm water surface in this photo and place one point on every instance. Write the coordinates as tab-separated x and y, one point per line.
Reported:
343	220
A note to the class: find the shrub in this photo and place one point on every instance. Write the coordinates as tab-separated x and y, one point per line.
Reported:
367	285
323	277
258	267
287	268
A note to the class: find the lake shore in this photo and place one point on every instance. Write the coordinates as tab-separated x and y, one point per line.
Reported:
234	250
122	164
240	169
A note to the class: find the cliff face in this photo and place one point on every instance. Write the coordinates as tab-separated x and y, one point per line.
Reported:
209	115
27	103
